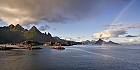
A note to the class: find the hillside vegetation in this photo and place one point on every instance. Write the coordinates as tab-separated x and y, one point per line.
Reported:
15	34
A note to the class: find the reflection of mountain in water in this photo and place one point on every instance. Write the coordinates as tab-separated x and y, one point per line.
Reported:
100	42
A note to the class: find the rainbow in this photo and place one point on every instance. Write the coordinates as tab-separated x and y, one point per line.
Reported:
122	11
102	43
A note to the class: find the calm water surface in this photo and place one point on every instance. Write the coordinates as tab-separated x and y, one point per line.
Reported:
78	57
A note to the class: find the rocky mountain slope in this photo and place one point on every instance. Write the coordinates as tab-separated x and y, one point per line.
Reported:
15	34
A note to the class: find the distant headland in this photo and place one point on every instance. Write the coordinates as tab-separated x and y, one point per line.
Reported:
102	42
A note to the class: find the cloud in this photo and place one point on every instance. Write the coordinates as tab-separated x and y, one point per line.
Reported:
24	12
117	30
132	25
80	37
129	40
43	28
77	39
125	25
109	33
54	29
119	24
131	36
69	39
139	41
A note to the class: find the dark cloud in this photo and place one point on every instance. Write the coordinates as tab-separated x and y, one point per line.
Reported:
54	29
25	12
43	28
80	37
131	36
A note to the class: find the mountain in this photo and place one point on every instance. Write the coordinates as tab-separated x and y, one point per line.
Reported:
7	36
15	34
36	35
100	42
57	39
88	42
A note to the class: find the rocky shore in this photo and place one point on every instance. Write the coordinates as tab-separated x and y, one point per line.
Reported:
55	43
10	47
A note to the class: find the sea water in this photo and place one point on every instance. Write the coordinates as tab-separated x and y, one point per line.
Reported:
77	57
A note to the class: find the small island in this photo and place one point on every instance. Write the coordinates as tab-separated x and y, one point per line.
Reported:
58	46
102	42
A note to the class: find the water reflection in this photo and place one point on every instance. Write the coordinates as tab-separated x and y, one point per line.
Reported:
72	58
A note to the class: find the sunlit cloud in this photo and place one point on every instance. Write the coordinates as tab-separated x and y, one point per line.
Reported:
110	33
131	41
128	40
117	29
69	39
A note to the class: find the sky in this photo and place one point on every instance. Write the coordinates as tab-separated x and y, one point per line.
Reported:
77	20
